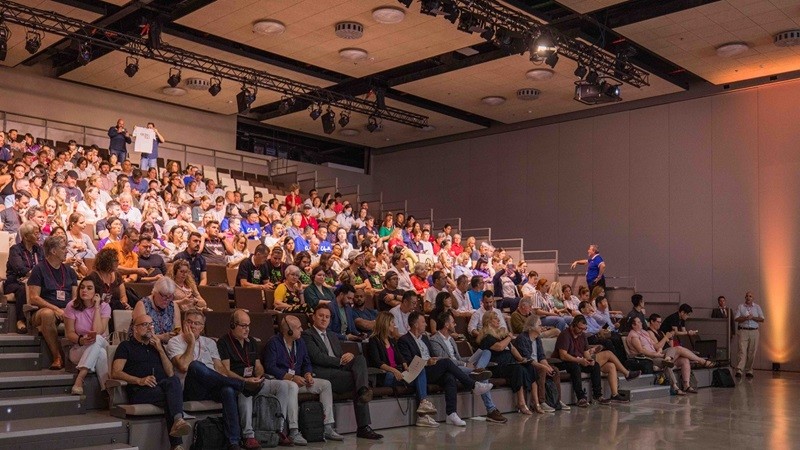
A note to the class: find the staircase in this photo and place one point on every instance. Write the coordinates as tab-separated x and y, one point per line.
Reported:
37	410
642	388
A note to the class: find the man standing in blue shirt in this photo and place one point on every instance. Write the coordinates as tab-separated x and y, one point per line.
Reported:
595	269
119	140
749	318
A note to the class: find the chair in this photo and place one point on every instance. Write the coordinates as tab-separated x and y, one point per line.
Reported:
141	289
122	321
217	323
262	325
217	274
216	297
251	299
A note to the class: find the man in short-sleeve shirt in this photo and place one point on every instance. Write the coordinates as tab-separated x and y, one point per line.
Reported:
197	262
572	349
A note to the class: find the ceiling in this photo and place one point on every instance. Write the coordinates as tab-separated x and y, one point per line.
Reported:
425	64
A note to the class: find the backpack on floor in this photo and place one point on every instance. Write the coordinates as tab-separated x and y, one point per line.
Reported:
645	365
209	434
267	420
722	378
551	393
311	421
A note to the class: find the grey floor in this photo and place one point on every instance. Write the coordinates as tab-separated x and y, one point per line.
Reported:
759	413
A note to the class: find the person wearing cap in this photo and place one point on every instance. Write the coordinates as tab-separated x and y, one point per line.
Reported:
74	193
308	220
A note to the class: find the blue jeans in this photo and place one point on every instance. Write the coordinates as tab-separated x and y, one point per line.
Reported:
481	358
487	398
147	163
420	384
121	156
203	383
555	321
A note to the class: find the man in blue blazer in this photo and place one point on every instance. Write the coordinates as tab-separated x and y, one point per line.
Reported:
442	371
342	321
286	358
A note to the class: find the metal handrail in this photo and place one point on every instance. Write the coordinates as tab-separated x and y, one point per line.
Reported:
396	206
475	233
533	252
328	183
455	222
520	246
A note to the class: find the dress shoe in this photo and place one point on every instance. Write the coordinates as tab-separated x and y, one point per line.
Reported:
366	432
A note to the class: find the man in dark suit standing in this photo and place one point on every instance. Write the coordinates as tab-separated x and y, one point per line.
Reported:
345	371
442	371
722	312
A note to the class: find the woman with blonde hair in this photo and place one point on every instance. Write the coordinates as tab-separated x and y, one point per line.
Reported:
289	295
521	377
240	251
543	307
90	206
186	295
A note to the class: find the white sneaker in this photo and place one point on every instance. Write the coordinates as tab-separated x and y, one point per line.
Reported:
453	419
427	421
426	407
482	388
297	438
563	406
546	408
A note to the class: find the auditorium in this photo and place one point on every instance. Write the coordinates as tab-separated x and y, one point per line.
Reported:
247	224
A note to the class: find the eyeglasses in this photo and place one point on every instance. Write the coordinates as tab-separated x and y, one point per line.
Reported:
194	322
243	325
145	325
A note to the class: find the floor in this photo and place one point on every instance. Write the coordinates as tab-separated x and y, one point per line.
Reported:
759	413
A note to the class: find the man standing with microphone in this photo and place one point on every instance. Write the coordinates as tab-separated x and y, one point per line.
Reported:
119	139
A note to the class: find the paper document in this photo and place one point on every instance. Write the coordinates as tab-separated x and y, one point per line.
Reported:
417	365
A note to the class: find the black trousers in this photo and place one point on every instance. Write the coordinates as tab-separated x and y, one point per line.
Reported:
447	374
167	394
350	378
574	370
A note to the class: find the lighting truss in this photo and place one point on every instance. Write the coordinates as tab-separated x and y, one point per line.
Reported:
496	16
53	23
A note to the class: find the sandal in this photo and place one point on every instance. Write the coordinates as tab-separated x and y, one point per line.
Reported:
690	390
58	364
710	364
678	392
538	409
21	327
524	410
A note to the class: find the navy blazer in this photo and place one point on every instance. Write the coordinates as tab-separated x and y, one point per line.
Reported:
276	358
407	346
336	321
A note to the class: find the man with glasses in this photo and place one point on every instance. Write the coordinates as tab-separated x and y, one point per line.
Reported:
199	366
142	363
572	349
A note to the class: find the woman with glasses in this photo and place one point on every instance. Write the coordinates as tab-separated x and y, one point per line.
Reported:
160	306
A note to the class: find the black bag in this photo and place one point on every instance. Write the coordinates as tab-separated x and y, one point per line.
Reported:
209	434
645	365
722	378
267	420
311	420
551	393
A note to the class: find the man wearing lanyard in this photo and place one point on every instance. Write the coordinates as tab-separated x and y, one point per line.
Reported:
240	359
748	318
595	269
51	286
198	364
22	258
286	358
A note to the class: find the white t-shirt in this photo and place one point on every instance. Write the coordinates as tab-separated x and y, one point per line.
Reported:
400	320
205	351
144	140
431	293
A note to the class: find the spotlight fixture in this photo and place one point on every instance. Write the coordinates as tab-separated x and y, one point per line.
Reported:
552	60
344	118
245	98
597	93
33	40
372	124
511	42
316	111
131	66
488	33
5	33
609	89
216	86
451	11
329	121
592	77
406	3
286	104
84	53
581	71
174	77
543	46
430	7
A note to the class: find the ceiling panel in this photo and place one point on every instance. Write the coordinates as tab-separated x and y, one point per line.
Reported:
16	43
587	6
107	72
309	35
391	133
465	88
689	38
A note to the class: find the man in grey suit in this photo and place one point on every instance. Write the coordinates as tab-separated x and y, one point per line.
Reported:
345	371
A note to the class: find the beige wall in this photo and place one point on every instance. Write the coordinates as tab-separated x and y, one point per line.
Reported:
698	197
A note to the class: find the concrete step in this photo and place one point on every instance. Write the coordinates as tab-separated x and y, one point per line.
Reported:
644	380
14	408
643	393
19	343
35	382
107	447
67	432
16	362
3	325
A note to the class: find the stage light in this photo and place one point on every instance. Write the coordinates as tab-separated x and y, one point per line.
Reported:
592	77
84	53
488	33
174	77
450	11
344	119
552	60
33	41
286	104
5	33
581	71
245	98
216	86
611	90
131	66
329	121
372	124
430	7
543	46
316	111
406	3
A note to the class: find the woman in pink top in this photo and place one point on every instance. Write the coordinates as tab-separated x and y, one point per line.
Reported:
86	323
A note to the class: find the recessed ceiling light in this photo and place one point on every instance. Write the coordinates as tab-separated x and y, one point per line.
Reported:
349	132
387	14
732	49
539	74
267	27
353	54
173	91
493	100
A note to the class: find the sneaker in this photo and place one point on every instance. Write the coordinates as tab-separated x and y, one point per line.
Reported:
251	444
633	374
426	407
297	438
546	408
453	419
583	403
427	421
602	401
563	406
331	434
180	428
619	399
749	375
480	376
283	440
482	388
496	417
738	374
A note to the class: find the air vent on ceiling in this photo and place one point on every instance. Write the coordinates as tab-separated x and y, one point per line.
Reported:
788	38
349	30
528	94
197	84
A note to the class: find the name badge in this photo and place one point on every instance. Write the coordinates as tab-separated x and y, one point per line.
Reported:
257	275
248	372
61	296
291	372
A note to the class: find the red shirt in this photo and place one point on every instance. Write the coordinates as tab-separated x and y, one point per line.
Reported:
420	285
456	249
575	346
395	243
309	222
292	200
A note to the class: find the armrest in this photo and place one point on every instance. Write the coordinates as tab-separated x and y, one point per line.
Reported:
116	392
375	371
112	383
554	361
